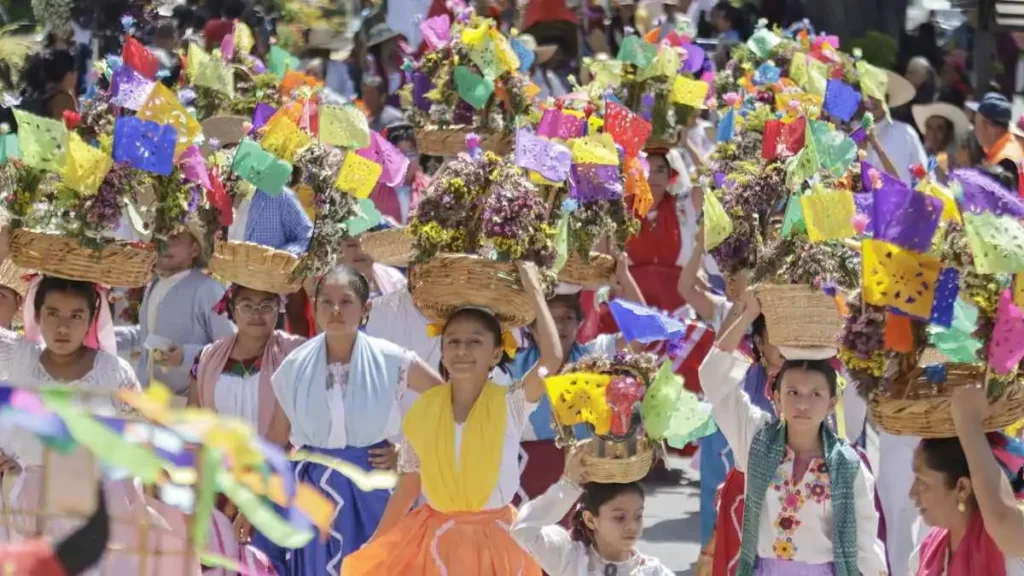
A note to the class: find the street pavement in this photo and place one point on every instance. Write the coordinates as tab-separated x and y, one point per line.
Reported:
672	521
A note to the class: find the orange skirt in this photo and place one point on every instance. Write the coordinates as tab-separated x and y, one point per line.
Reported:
432	543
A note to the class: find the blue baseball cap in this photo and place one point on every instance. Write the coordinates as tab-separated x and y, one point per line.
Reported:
995	108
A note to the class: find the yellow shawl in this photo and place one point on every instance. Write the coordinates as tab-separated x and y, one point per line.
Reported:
430	429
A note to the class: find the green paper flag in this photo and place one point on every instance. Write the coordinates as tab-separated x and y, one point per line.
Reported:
281	61
802	167
665	63
43	141
262	515
836	152
475	89
794	220
956	342
206	495
636	51
997	242
660	402
717	224
562	242
367	219
9	148
763	42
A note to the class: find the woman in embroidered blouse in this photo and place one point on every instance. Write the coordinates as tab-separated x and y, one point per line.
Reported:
809	506
69	342
463	452
606	525
963	492
343	393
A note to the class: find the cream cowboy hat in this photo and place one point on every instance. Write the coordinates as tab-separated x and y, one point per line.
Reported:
542	53
379	34
899	91
922	112
324	38
227	130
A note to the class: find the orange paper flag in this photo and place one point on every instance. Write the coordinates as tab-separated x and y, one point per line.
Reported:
899	334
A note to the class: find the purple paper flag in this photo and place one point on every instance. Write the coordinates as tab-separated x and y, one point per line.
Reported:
556	124
947	288
260	117
589	182
858	135
436	31
129	89
984	194
144	144
393	161
550	160
865	204
841	100
906	218
694	58
719	180
642	324
421	84
193	167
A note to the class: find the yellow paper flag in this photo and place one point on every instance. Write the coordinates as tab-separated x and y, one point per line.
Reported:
950	211
283	138
829	214
244	40
689	92
85	166
817	73
1018	289
893	276
506	55
607	73
163	107
595	149
798	69
216	75
197	58
594	124
344	126
717	224
580	398
874	82
358	175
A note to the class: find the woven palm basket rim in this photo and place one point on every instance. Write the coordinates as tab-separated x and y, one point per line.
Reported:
619	470
797	315
12	276
393	247
927	414
434	141
595	273
255	266
117	264
448	282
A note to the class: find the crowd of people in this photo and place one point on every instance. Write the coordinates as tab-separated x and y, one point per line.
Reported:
347	366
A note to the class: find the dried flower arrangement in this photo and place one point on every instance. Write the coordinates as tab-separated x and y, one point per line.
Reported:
319	165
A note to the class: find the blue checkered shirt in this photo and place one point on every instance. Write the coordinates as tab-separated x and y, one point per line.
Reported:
278	222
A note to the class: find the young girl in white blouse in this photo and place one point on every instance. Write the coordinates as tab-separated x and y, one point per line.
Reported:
809	504
605	527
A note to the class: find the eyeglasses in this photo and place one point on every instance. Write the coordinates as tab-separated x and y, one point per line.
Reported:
250	310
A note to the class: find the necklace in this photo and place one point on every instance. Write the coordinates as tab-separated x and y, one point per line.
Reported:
610	570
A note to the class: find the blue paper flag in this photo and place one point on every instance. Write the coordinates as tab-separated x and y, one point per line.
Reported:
9	148
841	100
725	126
642	324
947	288
766	73
144	144
525	55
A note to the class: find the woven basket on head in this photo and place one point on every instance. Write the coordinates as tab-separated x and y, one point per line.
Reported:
611	462
120	264
448	282
255	266
392	247
800	316
923	409
13	276
597	272
452	141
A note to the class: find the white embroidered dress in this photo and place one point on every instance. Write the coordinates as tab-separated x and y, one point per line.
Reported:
796	518
536	529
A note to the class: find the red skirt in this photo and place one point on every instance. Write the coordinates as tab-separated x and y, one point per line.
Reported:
729	526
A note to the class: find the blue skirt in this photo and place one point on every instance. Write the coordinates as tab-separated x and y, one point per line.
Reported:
355	519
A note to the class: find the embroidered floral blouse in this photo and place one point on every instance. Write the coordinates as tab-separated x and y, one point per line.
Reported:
796	520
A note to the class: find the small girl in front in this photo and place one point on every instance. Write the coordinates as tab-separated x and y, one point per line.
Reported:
606	525
809	501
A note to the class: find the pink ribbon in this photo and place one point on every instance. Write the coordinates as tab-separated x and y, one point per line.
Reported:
101	332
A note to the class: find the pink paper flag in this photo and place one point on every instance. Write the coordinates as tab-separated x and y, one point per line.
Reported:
1007	345
193	167
227	47
393	161
557	124
436	31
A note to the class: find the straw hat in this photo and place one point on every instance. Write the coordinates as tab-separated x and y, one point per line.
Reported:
899	91
228	130
379	34
922	112
543	53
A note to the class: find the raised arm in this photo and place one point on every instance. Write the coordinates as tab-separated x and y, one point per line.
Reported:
1004	520
887	163
722	375
545	333
690	288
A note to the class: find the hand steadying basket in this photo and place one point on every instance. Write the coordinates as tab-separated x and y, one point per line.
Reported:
255	266
127	264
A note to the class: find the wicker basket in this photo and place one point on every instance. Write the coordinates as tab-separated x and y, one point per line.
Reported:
120	264
255	266
448	282
925	409
610	462
452	141
598	272
799	316
392	247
